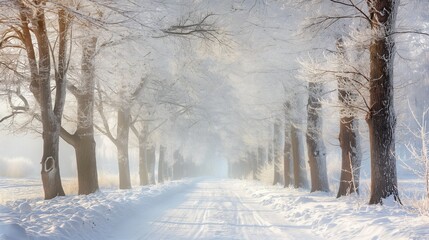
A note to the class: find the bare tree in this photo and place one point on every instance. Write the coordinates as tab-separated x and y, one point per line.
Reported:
254	162
151	161
178	165
349	133
315	146
381	117
121	140
379	16
299	169
83	138
33	33
142	137
161	164
277	150
287	155
420	150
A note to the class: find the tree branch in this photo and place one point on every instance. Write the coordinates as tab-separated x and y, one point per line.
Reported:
100	108
69	138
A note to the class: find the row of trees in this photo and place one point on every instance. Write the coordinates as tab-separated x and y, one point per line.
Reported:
41	44
377	20
225	89
360	69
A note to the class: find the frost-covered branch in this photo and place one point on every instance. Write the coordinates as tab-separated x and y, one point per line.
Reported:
202	27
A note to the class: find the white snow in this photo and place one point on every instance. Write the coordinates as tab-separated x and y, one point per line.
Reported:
78	217
209	209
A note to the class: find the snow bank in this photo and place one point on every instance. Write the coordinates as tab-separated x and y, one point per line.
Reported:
344	218
77	217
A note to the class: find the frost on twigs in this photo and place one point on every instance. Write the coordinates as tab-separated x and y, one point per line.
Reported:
200	26
418	149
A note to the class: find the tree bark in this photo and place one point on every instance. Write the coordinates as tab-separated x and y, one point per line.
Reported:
142	137
381	118
299	169
85	147
262	158
151	158
143	173
86	163
165	167
123	129
40	86
315	146
83	139
50	165
287	154
348	137
161	164
253	161
270	153
178	165
351	161
277	152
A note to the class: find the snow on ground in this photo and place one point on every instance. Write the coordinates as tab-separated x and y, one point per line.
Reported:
211	209
77	217
19	188
25	188
344	218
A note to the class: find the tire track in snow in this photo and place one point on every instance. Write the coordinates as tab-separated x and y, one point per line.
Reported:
208	209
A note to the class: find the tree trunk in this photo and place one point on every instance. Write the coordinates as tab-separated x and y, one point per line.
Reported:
50	165
299	169
262	159
151	158
161	164
253	160
85	146
348	138
277	152
143	173
255	166
40	86
177	165
270	154
381	117
83	139
123	129
287	162
87	156
351	161
287	155
86	162
315	146
165	167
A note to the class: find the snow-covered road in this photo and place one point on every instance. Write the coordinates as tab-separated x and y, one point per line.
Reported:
208	209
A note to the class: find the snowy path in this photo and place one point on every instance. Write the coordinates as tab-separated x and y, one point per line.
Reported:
209	209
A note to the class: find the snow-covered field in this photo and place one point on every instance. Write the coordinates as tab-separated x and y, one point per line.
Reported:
210	209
